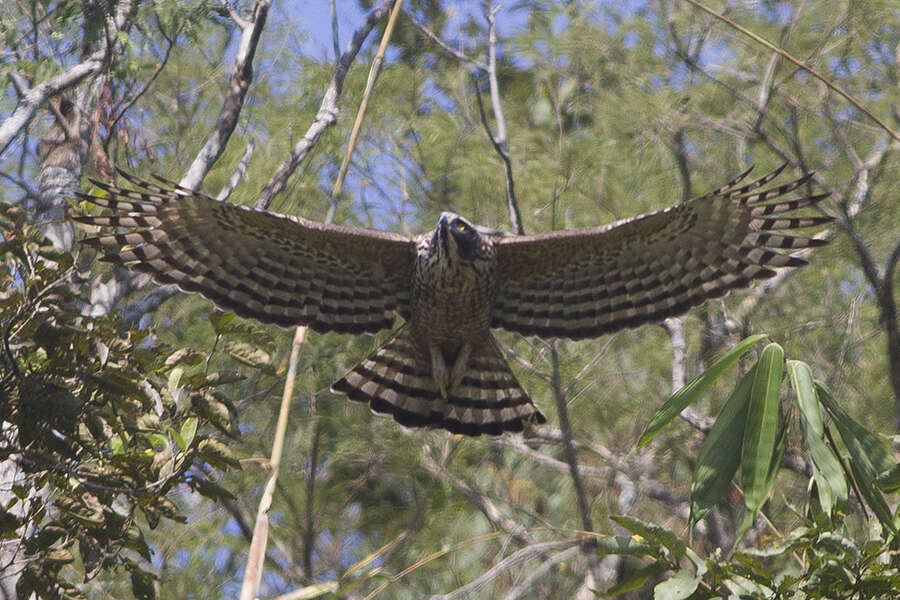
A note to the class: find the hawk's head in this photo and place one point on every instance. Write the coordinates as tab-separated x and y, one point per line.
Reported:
455	236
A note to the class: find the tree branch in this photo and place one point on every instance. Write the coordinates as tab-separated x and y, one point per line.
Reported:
238	84
493	514
328	110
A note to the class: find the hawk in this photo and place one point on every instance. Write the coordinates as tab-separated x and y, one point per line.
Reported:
443	368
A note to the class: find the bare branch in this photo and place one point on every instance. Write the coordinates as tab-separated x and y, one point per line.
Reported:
477	499
499	140
516	557
538	572
32	100
800	64
238	172
335	39
257	552
149	303
443	45
328	110
239	83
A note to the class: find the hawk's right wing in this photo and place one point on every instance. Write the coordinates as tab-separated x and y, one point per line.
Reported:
589	282
269	267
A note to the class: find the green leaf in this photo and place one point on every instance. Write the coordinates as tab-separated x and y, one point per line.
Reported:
838	545
760	430
695	388
188	431
877	458
677	587
637	578
217	454
142	584
720	454
869	457
184	356
654	534
220	320
775	464
615	544
872	496
889	481
250	355
831	484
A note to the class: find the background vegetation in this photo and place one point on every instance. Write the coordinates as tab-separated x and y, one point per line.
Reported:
138	422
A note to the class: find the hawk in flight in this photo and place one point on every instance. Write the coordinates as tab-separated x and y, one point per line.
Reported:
443	367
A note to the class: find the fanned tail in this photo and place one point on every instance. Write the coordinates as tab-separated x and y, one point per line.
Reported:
396	380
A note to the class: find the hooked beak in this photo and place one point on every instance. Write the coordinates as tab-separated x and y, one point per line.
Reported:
442	233
444	222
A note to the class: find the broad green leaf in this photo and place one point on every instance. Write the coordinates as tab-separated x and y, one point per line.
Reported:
143	584
775	464
636	579
699	563
695	388
217	454
889	481
185	356
654	534
872	496
188	431
720	454
861	442
220	320
869	457
831	484
250	354
174	378
779	547
677	587
615	544
804	388
838	545
760	430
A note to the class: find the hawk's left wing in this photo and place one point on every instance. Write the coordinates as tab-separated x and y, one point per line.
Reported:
270	267
589	282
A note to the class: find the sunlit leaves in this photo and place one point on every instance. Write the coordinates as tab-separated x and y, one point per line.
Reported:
695	388
751	432
103	438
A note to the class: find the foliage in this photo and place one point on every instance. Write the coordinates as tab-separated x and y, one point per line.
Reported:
751	433
808	562
102	422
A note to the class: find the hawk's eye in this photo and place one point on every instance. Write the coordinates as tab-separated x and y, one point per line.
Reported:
461	226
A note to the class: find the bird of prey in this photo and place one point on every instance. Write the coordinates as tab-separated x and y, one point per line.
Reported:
443	368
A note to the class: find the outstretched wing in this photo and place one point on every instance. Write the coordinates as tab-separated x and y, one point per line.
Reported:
270	267
589	282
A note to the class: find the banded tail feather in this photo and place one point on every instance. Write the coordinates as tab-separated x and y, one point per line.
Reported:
396	380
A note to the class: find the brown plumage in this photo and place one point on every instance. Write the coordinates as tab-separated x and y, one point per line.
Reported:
443	368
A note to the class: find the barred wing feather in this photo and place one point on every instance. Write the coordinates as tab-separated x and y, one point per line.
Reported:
589	282
270	267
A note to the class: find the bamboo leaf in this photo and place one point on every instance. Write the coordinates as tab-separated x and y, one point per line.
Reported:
720	454
831	485
760	430
872	452
695	388
869	457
